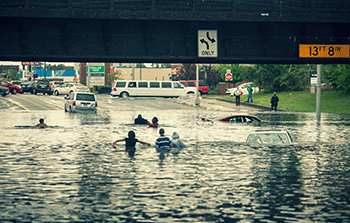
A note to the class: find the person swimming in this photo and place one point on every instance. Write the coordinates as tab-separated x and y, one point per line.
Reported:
140	120
154	122
41	123
130	143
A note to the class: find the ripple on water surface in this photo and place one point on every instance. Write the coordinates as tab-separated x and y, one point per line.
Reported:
71	173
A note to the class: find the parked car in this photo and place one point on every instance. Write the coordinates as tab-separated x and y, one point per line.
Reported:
80	102
14	89
269	137
66	88
42	86
202	87
4	91
150	89
243	88
55	84
28	86
236	119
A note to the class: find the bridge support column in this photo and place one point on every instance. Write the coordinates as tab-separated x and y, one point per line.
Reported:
82	77
107	74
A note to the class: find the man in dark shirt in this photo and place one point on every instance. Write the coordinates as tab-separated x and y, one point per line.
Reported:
274	101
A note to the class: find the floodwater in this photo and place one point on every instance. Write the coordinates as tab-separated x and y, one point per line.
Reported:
70	173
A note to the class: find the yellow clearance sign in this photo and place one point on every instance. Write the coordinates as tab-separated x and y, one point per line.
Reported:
324	51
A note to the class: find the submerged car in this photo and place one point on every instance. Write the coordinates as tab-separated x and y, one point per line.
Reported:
269	137
4	91
80	102
67	88
236	119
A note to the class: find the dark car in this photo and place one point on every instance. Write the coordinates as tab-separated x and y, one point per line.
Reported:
4	91
14	89
28	86
42	86
236	119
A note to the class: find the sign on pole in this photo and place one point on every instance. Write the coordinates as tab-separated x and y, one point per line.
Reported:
95	69
228	77
207	43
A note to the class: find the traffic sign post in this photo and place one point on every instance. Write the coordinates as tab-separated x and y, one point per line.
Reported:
228	77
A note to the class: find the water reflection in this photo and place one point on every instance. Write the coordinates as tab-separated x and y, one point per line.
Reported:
71	173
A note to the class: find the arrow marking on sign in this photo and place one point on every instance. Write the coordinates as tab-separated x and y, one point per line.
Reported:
212	40
203	41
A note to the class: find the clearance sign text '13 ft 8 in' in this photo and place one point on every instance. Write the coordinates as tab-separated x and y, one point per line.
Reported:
324	51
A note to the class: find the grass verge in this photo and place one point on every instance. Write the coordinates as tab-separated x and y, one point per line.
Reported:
304	101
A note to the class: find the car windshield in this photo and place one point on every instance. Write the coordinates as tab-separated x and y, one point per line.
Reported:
268	138
85	97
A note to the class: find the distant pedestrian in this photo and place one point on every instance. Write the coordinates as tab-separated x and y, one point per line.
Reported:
238	94
250	93
41	123
130	143
274	101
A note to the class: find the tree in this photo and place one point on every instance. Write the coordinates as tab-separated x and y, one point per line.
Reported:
279	77
115	75
338	75
12	75
237	71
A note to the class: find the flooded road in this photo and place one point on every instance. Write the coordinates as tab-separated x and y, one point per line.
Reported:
70	173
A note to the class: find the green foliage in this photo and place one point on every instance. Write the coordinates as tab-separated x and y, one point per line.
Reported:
279	77
58	67
115	75
237	72
12	75
338	75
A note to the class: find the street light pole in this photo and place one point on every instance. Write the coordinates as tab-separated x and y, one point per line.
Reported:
196	101
318	96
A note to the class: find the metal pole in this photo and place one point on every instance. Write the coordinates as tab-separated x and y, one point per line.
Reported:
88	76
318	96
196	101
133	72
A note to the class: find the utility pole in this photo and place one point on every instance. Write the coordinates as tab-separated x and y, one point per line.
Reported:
318	96
196	101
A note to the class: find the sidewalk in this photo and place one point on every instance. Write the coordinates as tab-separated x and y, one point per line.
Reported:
216	103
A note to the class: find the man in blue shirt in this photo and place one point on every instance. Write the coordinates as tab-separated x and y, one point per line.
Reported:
163	143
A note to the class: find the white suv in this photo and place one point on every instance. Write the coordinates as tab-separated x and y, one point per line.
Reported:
77	101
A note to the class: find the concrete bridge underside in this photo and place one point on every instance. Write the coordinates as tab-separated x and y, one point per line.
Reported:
87	35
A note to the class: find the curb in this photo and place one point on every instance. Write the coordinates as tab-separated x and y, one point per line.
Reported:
262	107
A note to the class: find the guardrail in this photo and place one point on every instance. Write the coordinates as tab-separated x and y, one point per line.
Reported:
262	6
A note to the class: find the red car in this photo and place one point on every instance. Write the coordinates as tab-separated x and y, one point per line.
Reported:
236	119
202	88
14	89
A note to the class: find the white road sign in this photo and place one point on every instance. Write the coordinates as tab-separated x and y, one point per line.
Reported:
207	43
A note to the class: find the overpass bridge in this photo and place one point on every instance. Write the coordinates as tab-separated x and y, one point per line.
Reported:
176	31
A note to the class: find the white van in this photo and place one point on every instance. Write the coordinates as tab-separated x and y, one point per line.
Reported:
123	88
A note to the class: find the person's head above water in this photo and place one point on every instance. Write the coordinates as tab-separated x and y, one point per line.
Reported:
154	120
131	134
175	135
41	120
161	131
